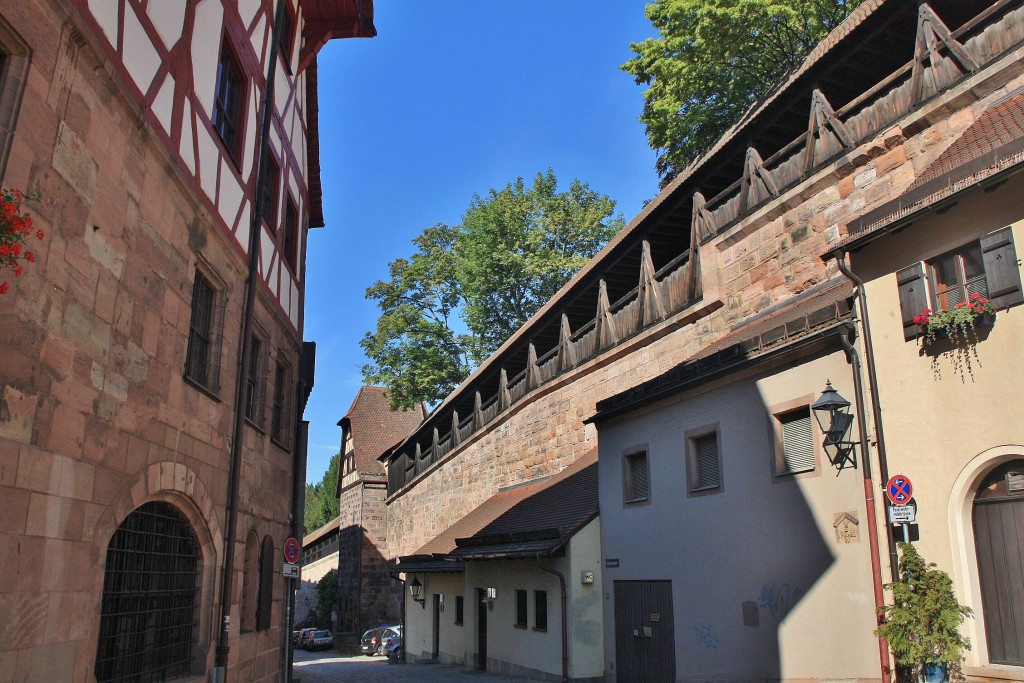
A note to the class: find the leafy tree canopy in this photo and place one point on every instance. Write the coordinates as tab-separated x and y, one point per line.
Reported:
322	503
469	287
713	59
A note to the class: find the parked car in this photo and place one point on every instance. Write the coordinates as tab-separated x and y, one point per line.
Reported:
302	637
391	642
370	642
320	640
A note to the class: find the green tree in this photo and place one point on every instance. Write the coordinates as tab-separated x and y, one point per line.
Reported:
469	287
923	622
326	599
713	59
322	503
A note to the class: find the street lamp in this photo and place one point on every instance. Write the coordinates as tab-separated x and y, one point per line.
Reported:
416	588
832	412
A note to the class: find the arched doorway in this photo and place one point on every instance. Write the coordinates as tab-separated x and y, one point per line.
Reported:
999	541
148	617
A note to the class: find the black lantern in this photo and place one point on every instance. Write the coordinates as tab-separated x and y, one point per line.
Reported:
833	414
416	588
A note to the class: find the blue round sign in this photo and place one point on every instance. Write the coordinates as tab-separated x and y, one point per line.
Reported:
899	490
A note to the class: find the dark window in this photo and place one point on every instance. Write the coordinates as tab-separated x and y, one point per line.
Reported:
458	610
15	56
797	435
228	99
521	609
278	424
705	462
201	357
636	481
987	267
286	38
254	384
148	615
265	596
269	193
291	234
540	610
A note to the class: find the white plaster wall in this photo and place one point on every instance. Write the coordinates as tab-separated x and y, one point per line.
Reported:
586	609
762	538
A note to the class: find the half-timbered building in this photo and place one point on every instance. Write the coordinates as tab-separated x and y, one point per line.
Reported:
152	359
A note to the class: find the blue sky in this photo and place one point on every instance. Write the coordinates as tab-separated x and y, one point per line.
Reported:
452	99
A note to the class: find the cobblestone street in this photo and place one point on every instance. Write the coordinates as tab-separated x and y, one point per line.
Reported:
331	667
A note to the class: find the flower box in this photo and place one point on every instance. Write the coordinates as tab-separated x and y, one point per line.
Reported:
958	324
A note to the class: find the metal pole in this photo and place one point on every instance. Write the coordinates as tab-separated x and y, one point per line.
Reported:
234	463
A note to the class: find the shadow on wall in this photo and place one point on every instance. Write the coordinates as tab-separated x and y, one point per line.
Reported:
368	595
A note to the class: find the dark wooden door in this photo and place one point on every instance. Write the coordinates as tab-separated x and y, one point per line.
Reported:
644	632
481	629
999	535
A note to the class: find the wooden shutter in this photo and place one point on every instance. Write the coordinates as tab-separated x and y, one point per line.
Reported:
706	451
797	442
639	488
1001	270
913	297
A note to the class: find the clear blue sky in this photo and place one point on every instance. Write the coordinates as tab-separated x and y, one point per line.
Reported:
452	99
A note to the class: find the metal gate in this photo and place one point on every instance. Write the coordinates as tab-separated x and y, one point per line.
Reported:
644	632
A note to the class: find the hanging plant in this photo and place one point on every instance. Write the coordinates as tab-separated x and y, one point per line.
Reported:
15	230
959	322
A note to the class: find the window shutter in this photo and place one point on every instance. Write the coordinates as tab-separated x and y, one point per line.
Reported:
1001	270
913	297
638	476
706	448
798	442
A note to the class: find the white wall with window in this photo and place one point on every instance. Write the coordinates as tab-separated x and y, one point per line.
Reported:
739	517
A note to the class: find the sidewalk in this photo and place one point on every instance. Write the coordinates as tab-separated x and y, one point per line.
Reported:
331	667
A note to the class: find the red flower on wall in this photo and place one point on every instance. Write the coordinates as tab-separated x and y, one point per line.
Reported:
15	228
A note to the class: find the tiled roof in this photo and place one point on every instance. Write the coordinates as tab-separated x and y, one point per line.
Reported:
779	328
317	534
991	145
536	517
375	428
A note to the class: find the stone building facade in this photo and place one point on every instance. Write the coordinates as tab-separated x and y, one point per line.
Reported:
121	381
692	283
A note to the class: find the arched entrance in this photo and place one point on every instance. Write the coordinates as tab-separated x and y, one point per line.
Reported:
999	540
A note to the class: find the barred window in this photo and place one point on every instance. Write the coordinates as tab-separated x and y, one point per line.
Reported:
149	610
201	359
254	383
278	413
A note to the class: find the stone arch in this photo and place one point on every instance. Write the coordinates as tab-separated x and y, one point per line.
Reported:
966	577
179	485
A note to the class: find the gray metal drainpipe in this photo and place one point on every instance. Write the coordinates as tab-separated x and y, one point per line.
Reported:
235	460
565	618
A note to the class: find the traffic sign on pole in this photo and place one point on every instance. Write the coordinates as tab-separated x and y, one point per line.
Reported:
899	490
292	549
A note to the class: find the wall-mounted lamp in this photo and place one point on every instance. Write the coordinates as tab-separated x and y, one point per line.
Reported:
416	588
832	412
